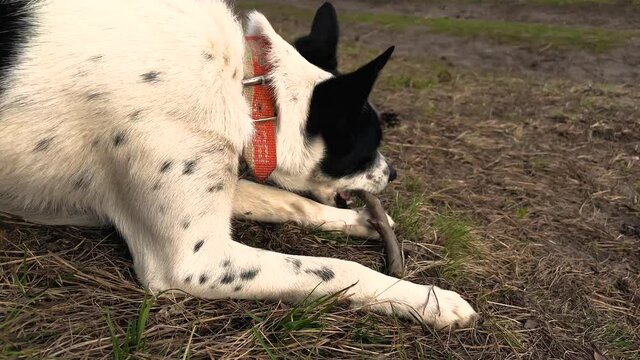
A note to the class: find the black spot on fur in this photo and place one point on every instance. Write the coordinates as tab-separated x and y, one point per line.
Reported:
249	274
198	245
324	273
156	186
208	56
189	167
297	264
96	58
188	279
226	263
151	77
237	288
135	116
95	142
228	278
16	26
235	73
217	187
119	139
186	224
96	95
166	166
248	213
43	144
203	279
82	182
369	176
226	60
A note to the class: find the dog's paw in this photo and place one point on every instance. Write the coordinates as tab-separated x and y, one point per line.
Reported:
356	222
444	309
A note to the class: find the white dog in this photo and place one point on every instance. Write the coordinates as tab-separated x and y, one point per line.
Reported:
134	113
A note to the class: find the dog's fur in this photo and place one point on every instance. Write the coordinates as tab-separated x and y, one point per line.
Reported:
131	113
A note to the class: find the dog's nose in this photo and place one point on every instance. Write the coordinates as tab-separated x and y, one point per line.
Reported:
393	174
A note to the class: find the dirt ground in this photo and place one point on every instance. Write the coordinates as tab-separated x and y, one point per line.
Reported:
519	184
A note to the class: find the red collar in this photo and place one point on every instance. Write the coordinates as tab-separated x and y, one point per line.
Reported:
261	154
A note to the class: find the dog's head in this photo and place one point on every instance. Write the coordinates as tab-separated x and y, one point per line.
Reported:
339	129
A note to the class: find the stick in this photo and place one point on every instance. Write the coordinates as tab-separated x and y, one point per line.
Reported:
380	222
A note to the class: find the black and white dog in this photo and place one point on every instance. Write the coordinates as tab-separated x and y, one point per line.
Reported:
134	113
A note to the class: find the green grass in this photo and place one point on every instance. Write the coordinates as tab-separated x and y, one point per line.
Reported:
522	212
620	339
405	210
458	242
505	330
572	2
303	320
134	339
590	39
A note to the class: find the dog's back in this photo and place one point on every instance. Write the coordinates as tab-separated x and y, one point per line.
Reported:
85	77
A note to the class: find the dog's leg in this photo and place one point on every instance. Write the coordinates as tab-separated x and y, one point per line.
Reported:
268	204
172	201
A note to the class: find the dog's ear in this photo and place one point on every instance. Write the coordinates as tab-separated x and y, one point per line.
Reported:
358	84
321	45
343	97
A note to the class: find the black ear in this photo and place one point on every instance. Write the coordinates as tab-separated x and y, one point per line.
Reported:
342	98
360	82
321	45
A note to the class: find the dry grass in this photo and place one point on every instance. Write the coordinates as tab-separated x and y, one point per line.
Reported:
512	191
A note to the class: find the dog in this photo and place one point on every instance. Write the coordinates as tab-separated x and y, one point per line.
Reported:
135	113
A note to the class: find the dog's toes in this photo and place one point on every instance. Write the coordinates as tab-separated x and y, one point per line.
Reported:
448	310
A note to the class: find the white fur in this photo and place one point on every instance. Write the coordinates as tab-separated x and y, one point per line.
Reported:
131	113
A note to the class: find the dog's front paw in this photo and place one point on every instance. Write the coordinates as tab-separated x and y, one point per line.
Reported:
353	222
444	309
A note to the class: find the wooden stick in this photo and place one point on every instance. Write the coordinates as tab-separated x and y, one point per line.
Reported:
395	260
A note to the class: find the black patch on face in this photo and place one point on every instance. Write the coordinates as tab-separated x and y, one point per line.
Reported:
324	273
203	279
228	278
198	245
339	110
151	77
188	279
340	114
119	139
43	144
249	274
16	27
189	167
218	187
